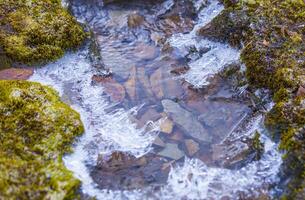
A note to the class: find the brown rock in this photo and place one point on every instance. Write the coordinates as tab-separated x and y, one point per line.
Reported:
156	83
180	70
145	82
166	126
130	84
177	136
145	51
119	160
16	73
192	147
135	20
112	88
150	115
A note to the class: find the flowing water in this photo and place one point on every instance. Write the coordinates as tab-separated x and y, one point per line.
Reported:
164	101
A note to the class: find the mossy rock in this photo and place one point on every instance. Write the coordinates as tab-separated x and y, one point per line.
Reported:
273	50
35	32
36	129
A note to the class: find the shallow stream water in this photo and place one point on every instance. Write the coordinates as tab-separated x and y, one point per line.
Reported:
164	101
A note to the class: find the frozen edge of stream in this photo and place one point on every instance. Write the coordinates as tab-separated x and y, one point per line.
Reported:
114	131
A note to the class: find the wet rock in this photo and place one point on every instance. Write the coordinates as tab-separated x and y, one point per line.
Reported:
235	153
145	51
171	87
150	115
113	89
119	160
143	78
121	171
166	126
171	151
16	73
215	117
159	142
135	20
177	136
186	120
231	155
156	83
192	147
178	70
130	84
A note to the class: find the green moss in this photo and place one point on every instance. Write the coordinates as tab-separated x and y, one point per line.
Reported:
35	32
274	54
36	129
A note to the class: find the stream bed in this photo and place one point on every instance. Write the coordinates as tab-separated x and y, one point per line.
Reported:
160	121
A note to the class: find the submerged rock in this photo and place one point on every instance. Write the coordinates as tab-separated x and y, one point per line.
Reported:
112	88
135	20
186	120
36	130
121	170
171	151
192	147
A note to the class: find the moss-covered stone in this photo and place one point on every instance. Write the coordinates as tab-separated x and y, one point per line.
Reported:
35	32
273	51
36	129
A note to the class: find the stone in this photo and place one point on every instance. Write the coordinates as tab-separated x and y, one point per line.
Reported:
171	151
16	73
145	52
118	160
156	83
231	155
130	84
177	135
178	70
192	147
123	171
150	115
143	78
113	89
159	142
186	120
135	20
166	126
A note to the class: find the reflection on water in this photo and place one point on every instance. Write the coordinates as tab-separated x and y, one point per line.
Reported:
164	104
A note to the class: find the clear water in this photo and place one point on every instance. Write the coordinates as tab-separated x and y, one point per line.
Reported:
113	125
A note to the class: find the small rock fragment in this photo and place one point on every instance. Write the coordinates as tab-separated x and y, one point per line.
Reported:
186	120
130	84
156	83
166	126
192	147
171	151
159	142
135	20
